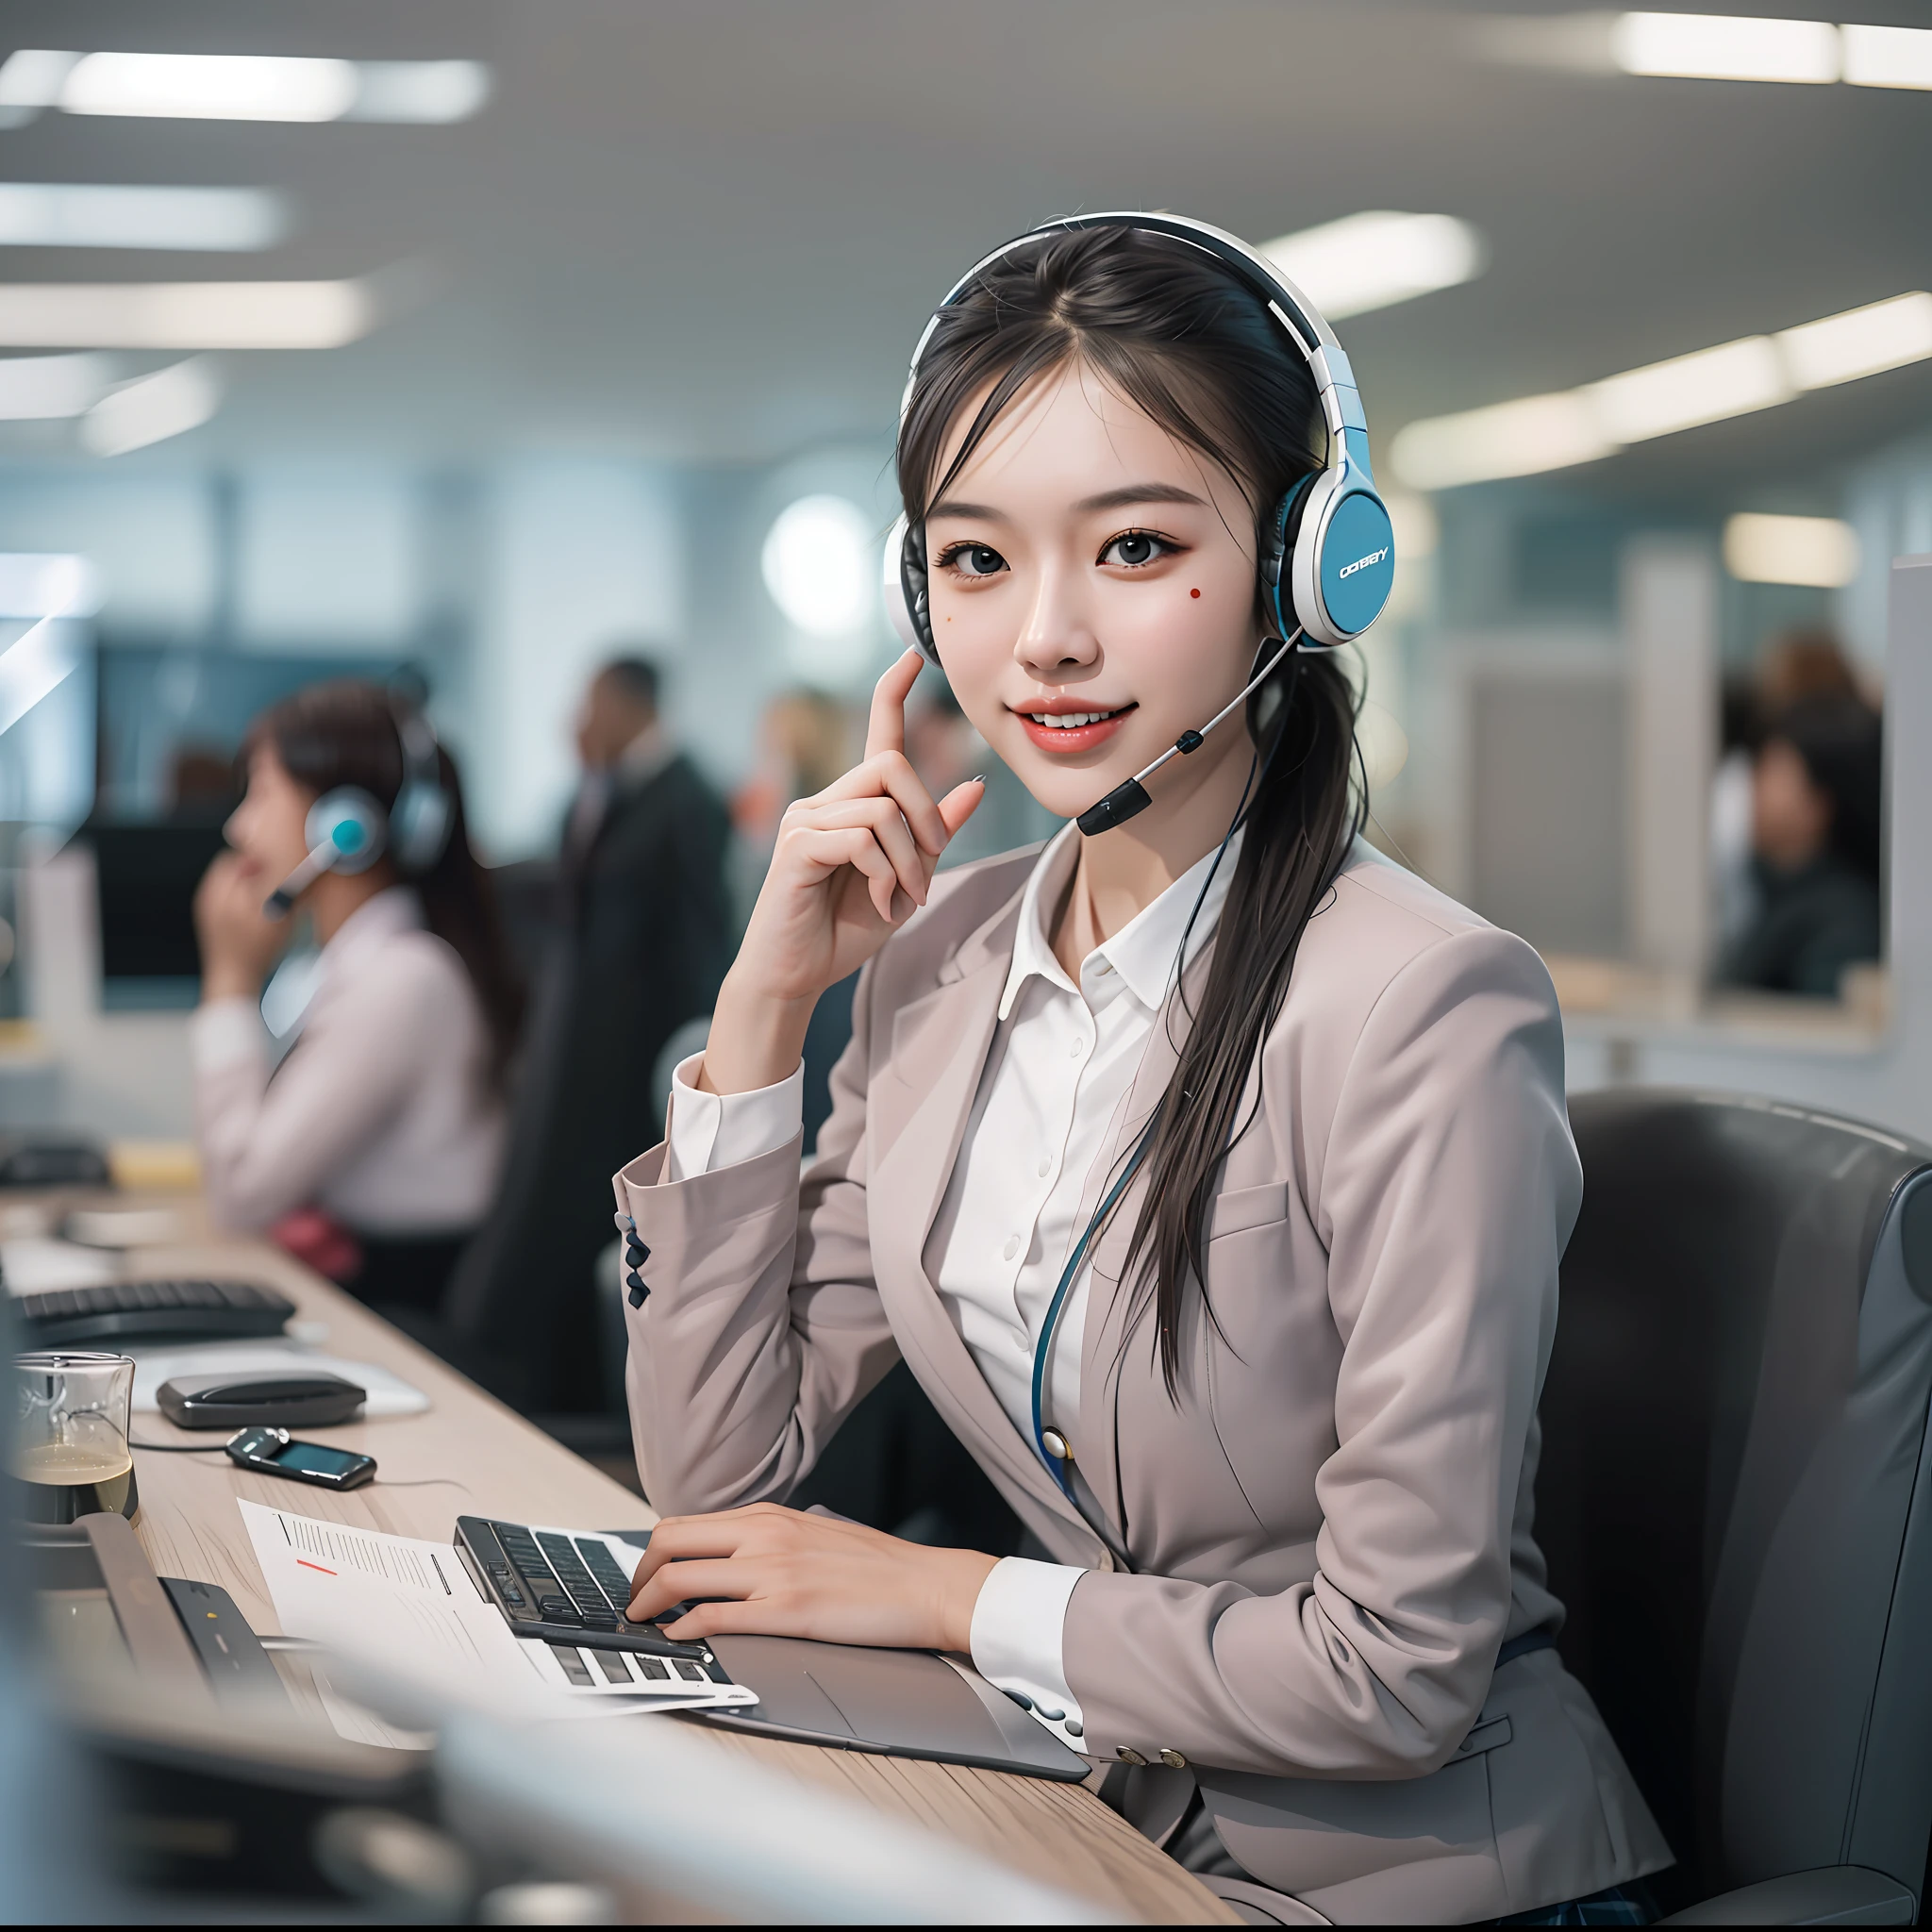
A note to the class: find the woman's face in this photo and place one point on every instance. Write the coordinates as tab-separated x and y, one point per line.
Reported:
266	828
1093	592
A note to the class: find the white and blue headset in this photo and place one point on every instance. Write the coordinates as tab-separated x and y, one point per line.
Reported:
1328	557
348	829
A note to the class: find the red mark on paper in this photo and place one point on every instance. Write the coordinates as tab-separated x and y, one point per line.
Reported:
307	1565
1193	593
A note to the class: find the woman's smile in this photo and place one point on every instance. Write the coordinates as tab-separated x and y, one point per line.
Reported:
1062	726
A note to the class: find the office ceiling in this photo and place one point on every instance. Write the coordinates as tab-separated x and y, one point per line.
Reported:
711	230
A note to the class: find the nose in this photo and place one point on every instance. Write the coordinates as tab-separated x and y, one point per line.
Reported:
1057	637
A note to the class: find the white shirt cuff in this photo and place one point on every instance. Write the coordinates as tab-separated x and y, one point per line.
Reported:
1017	1625
709	1131
224	1033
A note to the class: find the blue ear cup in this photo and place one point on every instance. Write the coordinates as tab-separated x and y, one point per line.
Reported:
350	825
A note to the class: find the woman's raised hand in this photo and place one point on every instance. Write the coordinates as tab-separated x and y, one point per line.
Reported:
850	865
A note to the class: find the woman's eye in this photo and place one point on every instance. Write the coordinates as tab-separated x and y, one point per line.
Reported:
974	560
1135	548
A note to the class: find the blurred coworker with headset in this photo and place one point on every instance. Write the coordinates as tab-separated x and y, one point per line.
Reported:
375	1144
1239	1290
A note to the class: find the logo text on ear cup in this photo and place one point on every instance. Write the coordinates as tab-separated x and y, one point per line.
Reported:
1348	570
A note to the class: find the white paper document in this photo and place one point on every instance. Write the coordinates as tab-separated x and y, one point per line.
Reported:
411	1604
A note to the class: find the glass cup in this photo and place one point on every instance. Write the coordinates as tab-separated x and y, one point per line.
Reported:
70	1434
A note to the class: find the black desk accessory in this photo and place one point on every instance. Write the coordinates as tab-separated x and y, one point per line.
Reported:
239	1669
274	1452
237	1398
32	1160
148	1311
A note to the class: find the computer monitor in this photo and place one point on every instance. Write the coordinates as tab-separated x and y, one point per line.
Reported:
145	877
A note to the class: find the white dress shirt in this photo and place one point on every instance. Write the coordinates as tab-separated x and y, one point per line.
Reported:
383	1114
1061	1067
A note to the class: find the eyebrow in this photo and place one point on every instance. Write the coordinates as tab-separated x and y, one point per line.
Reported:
1122	498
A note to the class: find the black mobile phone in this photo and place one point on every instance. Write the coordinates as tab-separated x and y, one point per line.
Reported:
274	1452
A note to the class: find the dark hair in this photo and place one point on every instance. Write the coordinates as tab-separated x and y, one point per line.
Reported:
638	678
346	733
1180	336
1840	739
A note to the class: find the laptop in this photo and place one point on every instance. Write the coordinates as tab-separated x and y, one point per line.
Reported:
574	1585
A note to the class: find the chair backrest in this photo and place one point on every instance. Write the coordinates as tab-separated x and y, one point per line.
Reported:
1734	1494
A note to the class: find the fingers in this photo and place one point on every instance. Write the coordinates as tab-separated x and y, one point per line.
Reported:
886	728
890	774
960	803
862	852
882	818
721	1576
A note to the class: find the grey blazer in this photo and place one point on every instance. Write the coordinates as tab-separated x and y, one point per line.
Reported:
1330	1528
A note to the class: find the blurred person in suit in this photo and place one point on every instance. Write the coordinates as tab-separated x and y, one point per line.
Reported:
372	1149
1815	813
641	937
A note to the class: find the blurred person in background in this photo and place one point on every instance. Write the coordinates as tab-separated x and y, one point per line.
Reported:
642	938
1797	664
374	1148
1815	815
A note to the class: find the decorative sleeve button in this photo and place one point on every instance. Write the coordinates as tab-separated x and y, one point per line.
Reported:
1173	1760
1127	1755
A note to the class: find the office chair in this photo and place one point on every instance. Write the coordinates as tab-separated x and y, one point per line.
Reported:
1734	1498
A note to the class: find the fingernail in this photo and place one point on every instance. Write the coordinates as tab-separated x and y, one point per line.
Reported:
977	778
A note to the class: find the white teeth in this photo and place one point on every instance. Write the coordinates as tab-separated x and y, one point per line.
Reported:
1068	721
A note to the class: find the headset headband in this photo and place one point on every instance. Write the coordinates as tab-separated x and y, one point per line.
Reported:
1341	403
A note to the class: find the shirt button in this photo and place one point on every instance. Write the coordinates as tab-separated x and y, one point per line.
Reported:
1046	1167
1012	1246
1173	1760
1078	1047
1127	1755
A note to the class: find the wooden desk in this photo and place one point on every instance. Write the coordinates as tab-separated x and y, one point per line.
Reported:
471	1455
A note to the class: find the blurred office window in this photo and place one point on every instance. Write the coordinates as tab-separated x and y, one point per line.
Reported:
820	563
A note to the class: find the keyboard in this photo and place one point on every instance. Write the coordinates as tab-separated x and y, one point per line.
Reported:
145	1310
570	1587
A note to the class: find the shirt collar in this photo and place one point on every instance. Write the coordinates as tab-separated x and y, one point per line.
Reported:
1143	952
395	909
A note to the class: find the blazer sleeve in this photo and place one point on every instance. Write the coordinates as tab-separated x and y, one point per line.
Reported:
762	1327
1446	1191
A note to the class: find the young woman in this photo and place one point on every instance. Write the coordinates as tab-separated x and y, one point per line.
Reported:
386	1119
1293	1583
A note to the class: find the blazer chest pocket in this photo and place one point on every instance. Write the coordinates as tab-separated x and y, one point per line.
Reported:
1242	1208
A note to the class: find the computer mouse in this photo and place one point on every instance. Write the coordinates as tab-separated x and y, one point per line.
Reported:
288	1398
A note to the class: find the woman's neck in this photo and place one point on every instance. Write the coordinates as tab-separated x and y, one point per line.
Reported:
1120	873
336	897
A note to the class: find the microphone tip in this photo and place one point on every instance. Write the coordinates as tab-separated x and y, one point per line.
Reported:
278	904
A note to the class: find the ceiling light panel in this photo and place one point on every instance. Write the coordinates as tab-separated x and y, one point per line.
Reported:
241	86
1721	46
44	388
152	408
1888	55
1689	389
40	214
185	315
1816	551
1862	341
1374	260
209	87
1533	434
